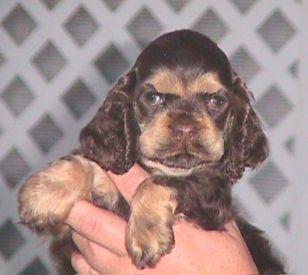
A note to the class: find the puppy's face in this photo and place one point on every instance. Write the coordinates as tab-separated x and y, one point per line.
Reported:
185	107
182	115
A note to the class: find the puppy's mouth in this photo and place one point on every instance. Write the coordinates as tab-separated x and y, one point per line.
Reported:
180	155
172	166
178	163
184	160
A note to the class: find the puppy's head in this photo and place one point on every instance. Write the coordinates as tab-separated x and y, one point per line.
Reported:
180	108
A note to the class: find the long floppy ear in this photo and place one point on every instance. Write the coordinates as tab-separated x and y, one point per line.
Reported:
247	145
110	139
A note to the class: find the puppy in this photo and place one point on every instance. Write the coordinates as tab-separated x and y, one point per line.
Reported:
184	115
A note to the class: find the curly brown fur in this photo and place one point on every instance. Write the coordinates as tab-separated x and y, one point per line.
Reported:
110	138
184	115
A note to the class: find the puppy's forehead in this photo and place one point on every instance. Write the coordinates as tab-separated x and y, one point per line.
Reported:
168	81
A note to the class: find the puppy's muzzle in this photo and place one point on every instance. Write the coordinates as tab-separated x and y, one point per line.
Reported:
184	129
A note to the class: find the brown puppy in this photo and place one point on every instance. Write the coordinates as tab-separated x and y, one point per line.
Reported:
184	115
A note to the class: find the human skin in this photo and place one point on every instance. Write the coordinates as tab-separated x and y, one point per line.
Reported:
100	237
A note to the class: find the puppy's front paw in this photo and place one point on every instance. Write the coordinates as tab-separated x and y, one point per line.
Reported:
47	197
149	231
148	239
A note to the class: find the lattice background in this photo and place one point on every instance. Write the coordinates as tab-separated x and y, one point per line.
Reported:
59	57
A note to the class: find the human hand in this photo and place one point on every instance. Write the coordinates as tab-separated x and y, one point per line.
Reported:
101	241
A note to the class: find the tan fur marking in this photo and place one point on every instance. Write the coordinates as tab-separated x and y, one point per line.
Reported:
156	135
211	137
149	231
165	81
208	83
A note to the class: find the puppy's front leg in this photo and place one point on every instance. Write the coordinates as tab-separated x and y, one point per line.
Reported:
47	197
149	231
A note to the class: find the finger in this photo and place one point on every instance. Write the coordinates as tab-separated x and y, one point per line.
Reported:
91	251
99	226
86	247
101	259
128	183
81	266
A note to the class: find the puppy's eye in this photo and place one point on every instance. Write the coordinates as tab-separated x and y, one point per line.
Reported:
217	101
152	98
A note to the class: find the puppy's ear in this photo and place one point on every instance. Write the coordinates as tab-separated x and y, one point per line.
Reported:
246	144
110	139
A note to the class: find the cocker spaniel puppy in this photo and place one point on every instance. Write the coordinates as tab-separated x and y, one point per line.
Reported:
184	115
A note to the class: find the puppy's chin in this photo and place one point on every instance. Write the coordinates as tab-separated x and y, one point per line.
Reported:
174	165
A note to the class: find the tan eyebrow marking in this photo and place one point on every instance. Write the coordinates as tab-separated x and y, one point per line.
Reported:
207	83
166	81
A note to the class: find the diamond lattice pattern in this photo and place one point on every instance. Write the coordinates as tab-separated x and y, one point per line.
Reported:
59	58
